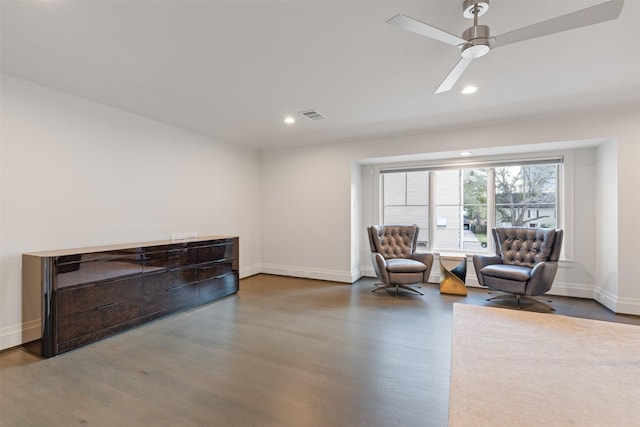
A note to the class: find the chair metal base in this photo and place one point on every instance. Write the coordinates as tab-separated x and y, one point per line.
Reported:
519	297
387	285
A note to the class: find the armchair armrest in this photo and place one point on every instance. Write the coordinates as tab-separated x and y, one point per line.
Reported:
423	257
426	259
481	261
380	266
542	276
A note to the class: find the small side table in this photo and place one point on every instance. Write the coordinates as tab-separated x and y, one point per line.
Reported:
452	279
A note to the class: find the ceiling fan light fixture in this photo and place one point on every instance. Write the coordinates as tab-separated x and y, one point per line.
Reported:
475	51
289	120
469	90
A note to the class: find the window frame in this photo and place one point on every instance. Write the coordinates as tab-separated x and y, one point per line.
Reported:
564	207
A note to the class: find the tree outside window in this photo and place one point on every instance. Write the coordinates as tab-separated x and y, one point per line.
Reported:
526	196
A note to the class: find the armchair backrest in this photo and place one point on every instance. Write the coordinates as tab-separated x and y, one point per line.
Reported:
393	241
527	246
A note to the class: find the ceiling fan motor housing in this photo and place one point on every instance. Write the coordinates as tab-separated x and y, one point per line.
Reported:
478	45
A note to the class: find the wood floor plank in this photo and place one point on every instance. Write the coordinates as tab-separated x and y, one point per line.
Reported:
283	352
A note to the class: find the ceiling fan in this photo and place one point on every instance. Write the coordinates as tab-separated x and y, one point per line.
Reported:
477	42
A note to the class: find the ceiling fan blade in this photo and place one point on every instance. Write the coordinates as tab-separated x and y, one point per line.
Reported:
454	75
592	15
418	27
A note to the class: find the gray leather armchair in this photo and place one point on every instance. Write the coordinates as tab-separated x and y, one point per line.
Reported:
394	257
525	263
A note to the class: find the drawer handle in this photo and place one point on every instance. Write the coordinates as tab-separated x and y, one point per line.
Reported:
102	307
175	288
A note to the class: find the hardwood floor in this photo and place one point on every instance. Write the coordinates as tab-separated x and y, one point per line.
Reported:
283	352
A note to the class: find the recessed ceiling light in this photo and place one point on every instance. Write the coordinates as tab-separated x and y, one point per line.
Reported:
470	89
289	120
466	153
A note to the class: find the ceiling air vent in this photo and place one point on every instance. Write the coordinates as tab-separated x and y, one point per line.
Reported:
312	114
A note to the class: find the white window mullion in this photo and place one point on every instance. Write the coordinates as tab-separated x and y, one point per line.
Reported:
491	207
461	209
432	210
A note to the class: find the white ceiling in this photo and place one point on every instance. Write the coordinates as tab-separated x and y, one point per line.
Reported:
233	69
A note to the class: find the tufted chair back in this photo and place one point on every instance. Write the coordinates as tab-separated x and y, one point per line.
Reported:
393	241
526	247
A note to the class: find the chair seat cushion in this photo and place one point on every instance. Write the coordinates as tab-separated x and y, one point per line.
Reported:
506	271
403	265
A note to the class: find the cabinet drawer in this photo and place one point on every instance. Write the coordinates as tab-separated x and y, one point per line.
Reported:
170	259
215	269
165	280
85	272
172	299
75	325
96	296
215	252
218	287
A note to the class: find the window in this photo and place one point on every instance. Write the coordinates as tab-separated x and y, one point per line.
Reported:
454	207
475	209
526	195
406	201
461	209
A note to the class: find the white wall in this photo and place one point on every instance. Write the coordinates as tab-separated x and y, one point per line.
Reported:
306	194
606	213
576	275
76	173
628	222
357	200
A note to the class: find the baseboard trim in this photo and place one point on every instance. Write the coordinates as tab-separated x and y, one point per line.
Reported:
311	273
14	335
249	270
368	272
617	304
628	306
576	290
605	298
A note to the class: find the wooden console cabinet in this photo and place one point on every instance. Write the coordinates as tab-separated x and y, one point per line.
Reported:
92	293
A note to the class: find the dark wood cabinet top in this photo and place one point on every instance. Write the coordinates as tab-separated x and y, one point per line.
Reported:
125	246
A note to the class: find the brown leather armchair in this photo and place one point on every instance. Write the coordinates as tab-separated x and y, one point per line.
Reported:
394	257
525	263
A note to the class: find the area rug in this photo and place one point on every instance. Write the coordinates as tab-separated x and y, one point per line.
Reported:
517	368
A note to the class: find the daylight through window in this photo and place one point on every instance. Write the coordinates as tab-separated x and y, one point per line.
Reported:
454	208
